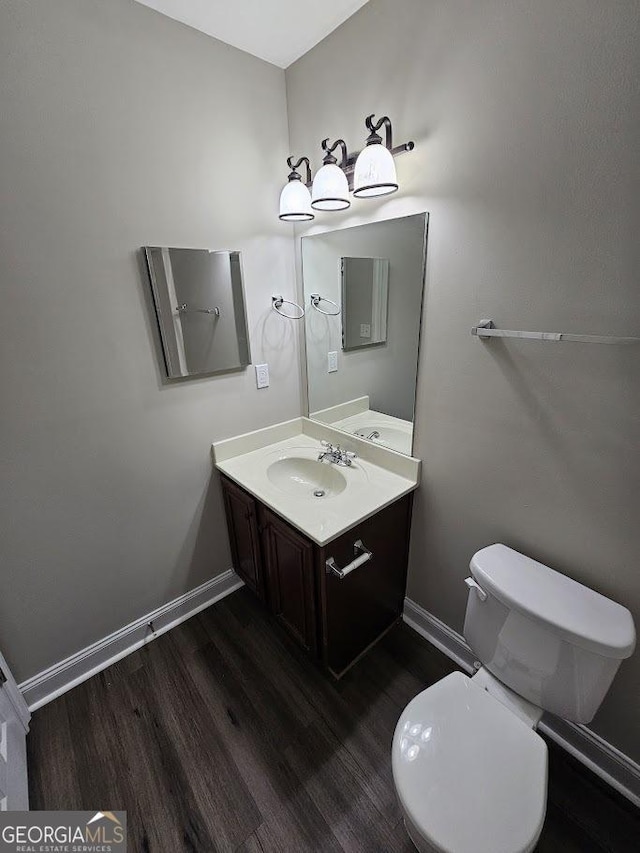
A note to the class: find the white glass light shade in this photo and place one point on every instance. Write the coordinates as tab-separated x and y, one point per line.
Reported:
375	172
330	190
295	202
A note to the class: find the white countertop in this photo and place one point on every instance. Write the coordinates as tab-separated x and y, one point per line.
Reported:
376	478
355	415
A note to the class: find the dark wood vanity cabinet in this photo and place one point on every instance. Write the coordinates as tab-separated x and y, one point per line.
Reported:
288	560
356	610
334	619
244	536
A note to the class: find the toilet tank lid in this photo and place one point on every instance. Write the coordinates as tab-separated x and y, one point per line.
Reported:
581	615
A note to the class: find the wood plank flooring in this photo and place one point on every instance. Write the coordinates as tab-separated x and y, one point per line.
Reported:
222	736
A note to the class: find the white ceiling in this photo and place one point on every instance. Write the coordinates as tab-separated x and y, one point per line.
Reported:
279	31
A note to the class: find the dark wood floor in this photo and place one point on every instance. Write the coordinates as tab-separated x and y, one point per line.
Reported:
221	736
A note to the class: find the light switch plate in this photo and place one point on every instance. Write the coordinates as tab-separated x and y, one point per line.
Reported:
262	375
332	362
365	330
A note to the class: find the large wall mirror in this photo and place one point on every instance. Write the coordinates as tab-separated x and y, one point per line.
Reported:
363	291
199	300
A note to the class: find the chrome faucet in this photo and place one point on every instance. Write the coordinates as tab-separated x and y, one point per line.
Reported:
336	455
362	433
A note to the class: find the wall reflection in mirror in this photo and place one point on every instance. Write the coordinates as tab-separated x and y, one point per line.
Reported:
363	291
199	300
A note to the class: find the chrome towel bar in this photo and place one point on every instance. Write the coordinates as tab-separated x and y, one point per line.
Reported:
486	329
186	309
358	548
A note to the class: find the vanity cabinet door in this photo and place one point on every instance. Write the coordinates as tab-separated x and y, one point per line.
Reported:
359	608
242	524
289	569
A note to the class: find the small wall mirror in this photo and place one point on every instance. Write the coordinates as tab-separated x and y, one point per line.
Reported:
365	283
199	300
363	289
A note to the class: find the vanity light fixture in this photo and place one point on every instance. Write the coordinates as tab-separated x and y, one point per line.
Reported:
367	173
330	189
295	198
375	171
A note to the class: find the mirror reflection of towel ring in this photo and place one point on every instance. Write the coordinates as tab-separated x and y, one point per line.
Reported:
277	302
316	299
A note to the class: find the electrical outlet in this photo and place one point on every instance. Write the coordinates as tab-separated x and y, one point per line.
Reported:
262	375
365	330
332	362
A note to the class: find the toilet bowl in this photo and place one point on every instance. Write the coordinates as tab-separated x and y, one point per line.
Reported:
471	775
469	768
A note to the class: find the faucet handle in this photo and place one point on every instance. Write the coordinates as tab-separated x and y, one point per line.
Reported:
346	456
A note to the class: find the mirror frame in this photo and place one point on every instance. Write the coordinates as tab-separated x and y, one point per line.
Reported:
165	313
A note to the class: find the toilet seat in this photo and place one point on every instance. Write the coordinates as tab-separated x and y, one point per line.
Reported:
470	775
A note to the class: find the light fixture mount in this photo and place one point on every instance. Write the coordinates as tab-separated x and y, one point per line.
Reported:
328	158
374	137
294	175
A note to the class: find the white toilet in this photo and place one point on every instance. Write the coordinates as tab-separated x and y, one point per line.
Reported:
469	769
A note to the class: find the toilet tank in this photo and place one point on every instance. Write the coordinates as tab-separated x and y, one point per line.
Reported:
550	639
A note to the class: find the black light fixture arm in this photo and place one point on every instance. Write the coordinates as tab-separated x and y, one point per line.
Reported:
373	129
295	175
329	149
374	136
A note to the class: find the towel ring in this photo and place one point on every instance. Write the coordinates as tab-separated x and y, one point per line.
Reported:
316	299
277	302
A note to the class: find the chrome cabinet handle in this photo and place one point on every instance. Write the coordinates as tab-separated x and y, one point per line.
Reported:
358	548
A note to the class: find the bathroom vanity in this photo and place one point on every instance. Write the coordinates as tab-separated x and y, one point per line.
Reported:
331	568
323	542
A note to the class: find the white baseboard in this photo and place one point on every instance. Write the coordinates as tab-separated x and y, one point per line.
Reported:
62	676
13	694
616	768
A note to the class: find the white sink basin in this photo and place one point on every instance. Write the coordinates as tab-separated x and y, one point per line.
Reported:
306	478
284	473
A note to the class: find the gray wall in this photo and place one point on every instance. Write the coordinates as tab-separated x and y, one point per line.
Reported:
525	117
386	373
122	128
